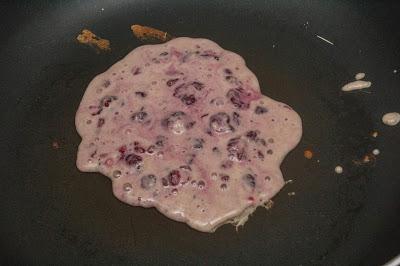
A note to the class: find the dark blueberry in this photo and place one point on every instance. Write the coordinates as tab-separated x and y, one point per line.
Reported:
188	99
201	184
252	134
225	178
198	85
139	149
139	116
136	71
236	149
100	122
164	182
106	100
235	118
171	82
151	149
226	164
174	177
227	71
219	123
177	122
249	180
134	160
262	142
260	110
141	94
93	154
190	124
233	80
198	144
160	140
106	83
234	96
148	181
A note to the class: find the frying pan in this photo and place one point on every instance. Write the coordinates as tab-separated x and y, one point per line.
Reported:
53	214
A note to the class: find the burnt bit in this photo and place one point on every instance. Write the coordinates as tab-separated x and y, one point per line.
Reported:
204	115
270	151
215	149
164	54
260	154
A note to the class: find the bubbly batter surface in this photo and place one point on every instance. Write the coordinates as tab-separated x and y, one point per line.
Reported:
183	127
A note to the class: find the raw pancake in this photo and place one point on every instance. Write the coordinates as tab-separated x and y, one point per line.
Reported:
183	127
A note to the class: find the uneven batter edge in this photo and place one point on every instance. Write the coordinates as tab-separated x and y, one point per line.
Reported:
183	127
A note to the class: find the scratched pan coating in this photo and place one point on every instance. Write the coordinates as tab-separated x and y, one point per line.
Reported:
54	214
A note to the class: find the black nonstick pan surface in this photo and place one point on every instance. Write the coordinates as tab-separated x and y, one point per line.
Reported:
53	214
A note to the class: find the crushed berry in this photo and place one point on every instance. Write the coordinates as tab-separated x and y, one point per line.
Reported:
100	122
174	177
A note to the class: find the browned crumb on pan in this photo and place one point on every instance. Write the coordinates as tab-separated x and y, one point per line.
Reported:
268	204
55	145
89	38
148	34
308	154
368	159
